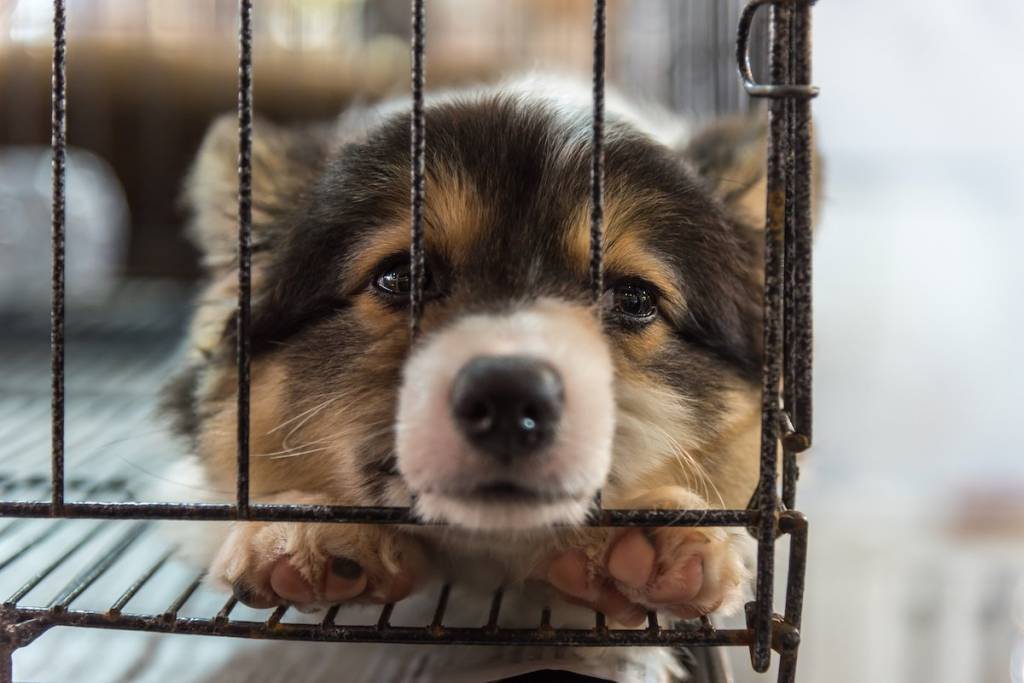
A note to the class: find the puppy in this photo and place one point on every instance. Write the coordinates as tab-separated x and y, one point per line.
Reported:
518	403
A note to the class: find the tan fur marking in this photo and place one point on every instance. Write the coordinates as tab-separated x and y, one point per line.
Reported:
454	215
647	342
624	249
721	465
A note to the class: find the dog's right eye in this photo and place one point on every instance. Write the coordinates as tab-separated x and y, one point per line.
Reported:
395	280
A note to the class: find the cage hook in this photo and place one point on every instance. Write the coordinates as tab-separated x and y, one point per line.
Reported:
753	88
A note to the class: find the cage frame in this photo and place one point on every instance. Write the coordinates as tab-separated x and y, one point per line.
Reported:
785	410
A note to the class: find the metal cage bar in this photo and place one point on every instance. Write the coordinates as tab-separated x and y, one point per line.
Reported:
597	159
766	496
226	512
244	315
797	393
417	150
786	390
58	143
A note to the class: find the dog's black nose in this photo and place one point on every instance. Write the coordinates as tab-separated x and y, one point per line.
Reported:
508	406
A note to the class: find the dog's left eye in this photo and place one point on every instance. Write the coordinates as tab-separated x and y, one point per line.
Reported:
635	302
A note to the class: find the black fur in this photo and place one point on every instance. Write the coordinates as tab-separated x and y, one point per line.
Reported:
532	172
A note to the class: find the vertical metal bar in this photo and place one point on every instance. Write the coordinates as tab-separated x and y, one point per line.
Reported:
597	170
767	495
6	664
802	262
787	667
797	313
790	474
417	261
597	159
789	350
717	105
244	247
795	524
58	142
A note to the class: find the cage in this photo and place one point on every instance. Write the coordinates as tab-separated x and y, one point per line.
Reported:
66	534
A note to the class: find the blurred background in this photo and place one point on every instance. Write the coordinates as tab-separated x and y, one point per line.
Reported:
915	487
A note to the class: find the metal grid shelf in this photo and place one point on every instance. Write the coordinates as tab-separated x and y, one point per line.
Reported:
109	541
60	565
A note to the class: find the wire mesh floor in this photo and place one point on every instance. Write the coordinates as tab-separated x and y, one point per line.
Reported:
125	574
61	567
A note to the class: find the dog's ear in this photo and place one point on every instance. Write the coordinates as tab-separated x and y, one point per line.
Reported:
731	155
285	164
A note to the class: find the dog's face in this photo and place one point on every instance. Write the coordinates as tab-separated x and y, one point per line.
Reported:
518	402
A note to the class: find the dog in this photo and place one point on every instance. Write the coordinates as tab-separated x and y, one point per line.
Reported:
521	399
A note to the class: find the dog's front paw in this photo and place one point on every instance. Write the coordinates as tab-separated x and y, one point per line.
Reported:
314	565
686	572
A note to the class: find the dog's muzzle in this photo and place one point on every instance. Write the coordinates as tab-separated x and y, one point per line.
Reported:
505	421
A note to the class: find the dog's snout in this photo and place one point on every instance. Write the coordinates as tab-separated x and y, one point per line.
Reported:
507	406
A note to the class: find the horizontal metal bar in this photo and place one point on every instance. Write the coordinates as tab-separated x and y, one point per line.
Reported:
795	524
220	512
397	634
